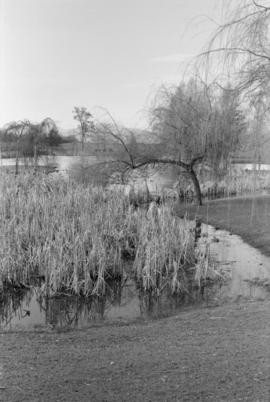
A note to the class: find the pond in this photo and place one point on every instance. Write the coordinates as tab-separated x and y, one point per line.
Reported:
245	276
165	178
155	182
61	163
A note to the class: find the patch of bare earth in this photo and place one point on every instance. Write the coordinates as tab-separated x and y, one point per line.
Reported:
217	354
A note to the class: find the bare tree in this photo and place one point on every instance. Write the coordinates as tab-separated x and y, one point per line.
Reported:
188	129
240	48
226	128
86	124
199	124
18	129
32	139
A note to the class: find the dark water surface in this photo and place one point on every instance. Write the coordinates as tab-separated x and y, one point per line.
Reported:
27	310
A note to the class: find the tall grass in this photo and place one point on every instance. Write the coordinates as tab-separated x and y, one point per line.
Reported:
165	252
245	182
75	238
236	184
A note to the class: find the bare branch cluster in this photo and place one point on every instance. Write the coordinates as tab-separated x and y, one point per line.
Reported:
240	48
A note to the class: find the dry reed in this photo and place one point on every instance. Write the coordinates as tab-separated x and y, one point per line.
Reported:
76	237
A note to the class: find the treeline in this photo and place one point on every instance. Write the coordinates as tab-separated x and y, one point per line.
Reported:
27	139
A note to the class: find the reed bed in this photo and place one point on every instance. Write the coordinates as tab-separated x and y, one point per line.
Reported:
165	252
243	183
75	238
236	184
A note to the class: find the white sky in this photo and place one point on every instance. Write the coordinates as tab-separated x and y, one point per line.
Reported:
57	54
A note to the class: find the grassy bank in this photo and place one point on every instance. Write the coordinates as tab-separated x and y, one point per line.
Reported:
74	238
219	354
248	217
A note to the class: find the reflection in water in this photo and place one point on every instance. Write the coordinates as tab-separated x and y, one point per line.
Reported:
12	305
61	163
123	301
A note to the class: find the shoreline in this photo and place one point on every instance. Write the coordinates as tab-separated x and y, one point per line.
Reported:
247	217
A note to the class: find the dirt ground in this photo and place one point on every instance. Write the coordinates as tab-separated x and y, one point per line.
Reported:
203	354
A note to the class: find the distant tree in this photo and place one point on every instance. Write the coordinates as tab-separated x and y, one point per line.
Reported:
70	138
257	140
17	131
32	139
54	139
50	133
86	124
226	129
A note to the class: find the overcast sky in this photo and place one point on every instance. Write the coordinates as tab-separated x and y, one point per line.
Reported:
57	54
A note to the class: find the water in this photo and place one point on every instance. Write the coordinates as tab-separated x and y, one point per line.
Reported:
247	268
156	181
247	274
61	163
28	310
256	166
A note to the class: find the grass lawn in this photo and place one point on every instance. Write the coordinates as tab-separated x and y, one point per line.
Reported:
248	217
207	355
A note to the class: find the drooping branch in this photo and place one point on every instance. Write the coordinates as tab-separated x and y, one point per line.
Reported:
164	161
161	161
117	136
261	6
235	50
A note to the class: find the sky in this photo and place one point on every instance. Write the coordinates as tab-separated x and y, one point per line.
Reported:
112	54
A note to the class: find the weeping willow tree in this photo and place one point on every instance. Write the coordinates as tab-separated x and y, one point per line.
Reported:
190	125
239	50
31	140
242	45
199	121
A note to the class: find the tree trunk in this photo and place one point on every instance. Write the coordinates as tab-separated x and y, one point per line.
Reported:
35	159
197	187
17	159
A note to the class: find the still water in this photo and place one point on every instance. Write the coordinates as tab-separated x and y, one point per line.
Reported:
156	181
62	163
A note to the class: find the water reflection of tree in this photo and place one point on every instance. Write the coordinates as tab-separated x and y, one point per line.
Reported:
11	305
65	311
153	305
74	311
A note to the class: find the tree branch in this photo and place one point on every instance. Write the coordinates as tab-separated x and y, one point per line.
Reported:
196	159
162	161
260	6
236	50
117	136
